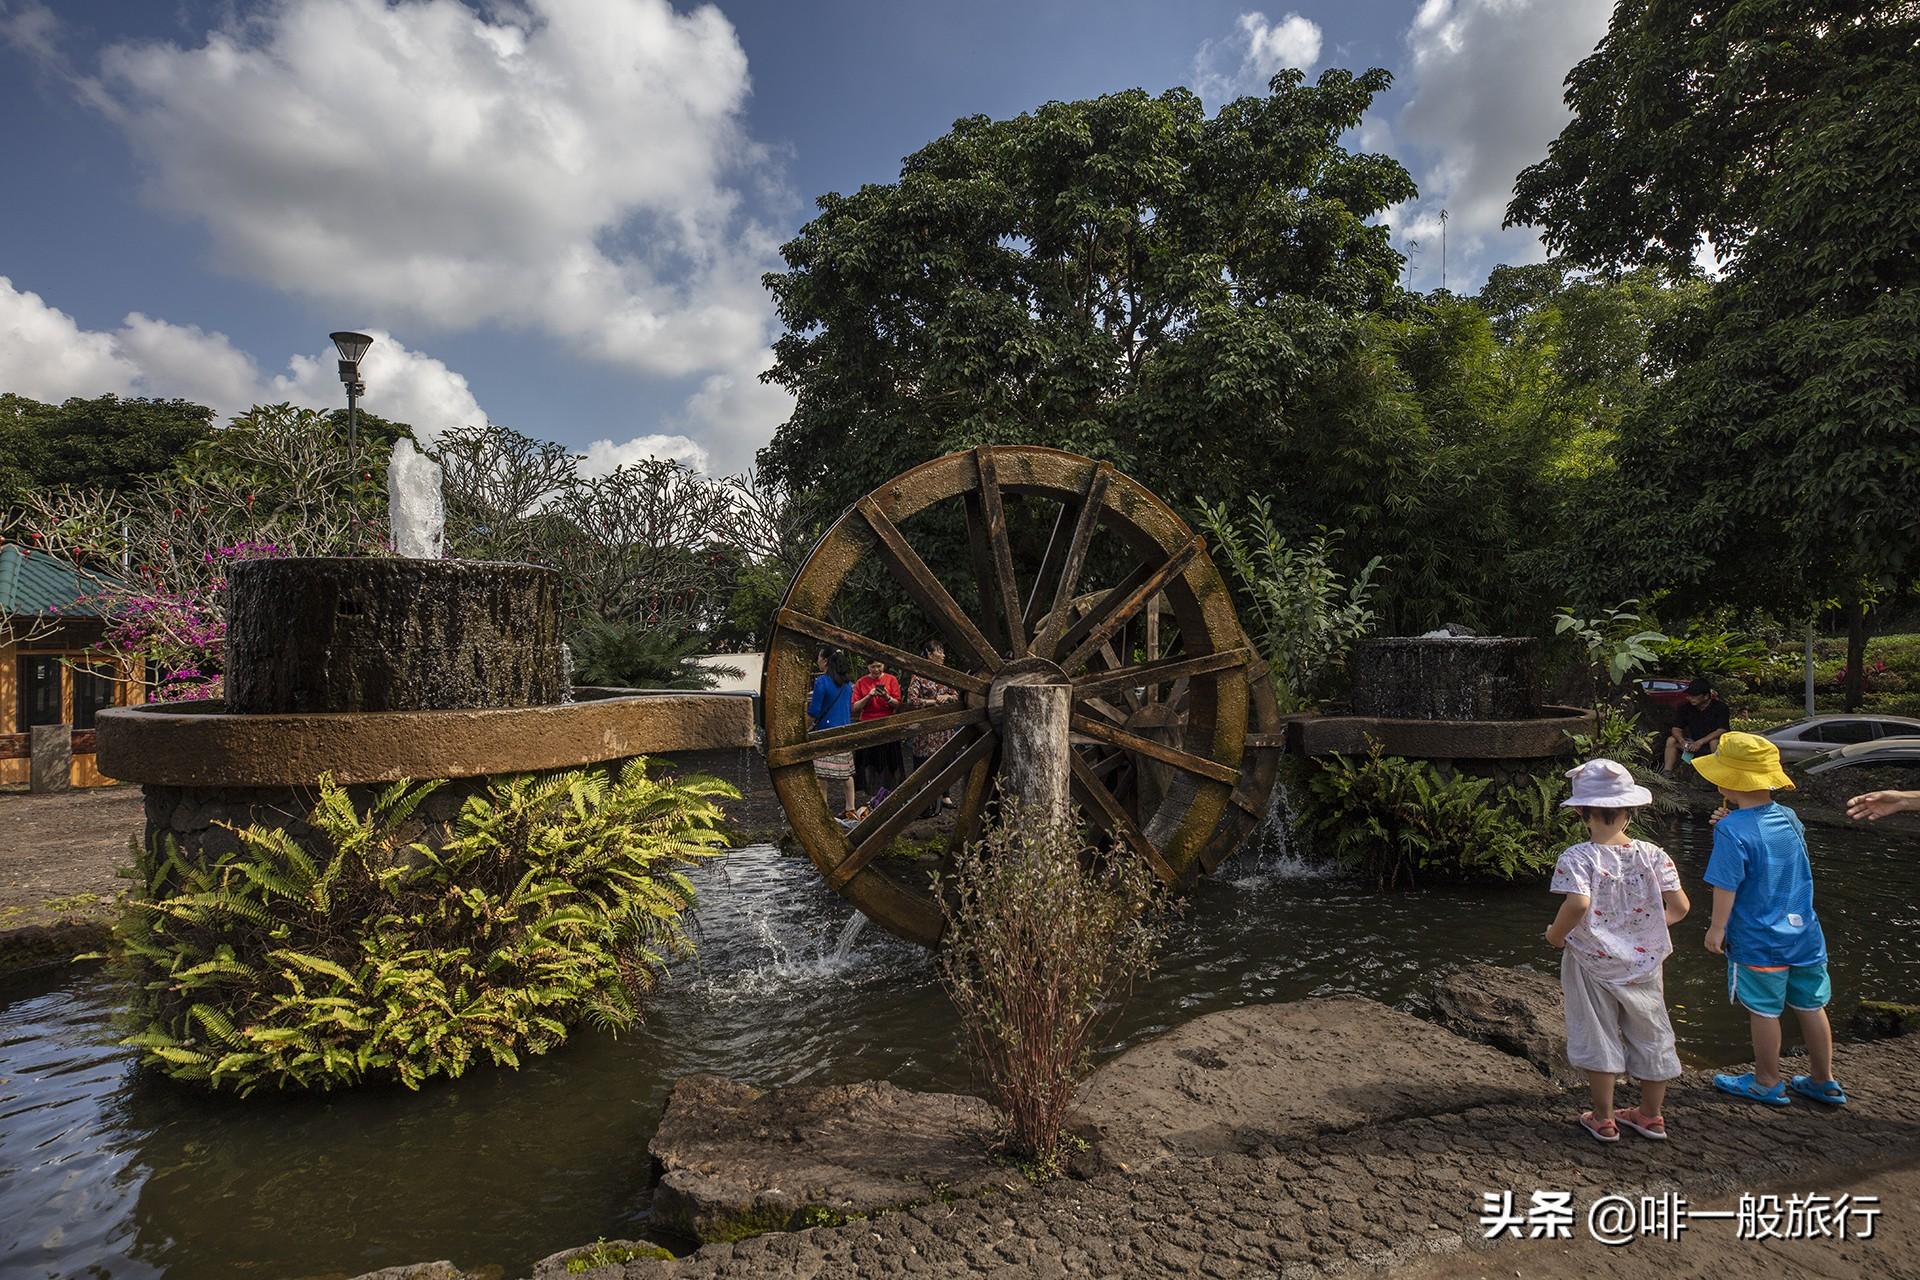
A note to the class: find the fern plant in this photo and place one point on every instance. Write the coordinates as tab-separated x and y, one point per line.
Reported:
632	656
548	900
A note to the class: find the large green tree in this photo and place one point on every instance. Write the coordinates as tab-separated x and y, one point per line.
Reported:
1779	464
105	442
1123	276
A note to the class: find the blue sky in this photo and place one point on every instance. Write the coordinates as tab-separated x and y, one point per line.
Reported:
555	213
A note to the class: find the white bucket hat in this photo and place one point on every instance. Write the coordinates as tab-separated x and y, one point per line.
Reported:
1605	784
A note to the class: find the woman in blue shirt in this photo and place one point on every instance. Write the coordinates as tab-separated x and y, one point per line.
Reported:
831	707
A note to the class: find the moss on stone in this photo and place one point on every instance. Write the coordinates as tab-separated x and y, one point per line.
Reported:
1886	1018
611	1253
750	1222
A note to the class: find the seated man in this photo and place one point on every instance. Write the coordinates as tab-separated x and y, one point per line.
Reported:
1698	726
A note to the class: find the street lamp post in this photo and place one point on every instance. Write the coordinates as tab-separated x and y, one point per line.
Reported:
351	347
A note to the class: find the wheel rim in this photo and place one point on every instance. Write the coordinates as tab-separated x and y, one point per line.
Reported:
1098	507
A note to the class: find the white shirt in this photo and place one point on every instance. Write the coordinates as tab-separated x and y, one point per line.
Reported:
1623	937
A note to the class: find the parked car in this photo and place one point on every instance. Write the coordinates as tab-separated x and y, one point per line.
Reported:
1804	739
1664	691
1899	755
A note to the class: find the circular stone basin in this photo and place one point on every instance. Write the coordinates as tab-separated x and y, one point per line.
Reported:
202	744
1534	737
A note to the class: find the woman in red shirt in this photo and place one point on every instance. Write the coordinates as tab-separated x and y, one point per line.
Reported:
876	695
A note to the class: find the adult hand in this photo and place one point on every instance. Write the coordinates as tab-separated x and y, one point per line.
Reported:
1717	941
1714	817
1878	804
1561	943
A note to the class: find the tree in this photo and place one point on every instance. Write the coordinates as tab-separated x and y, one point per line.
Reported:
105	442
1780	133
1121	276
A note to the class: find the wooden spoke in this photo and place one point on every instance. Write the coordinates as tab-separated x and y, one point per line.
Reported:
904	804
1154	673
973	809
1074	563
827	633
1115	608
980	551
1185	761
1050	561
1105	708
925	589
1007	598
1111	816
873	733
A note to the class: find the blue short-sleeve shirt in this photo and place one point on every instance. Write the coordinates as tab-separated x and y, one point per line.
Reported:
1761	855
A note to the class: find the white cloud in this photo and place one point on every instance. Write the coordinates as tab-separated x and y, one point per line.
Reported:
46	355
1245	61
573	166
603	456
1485	81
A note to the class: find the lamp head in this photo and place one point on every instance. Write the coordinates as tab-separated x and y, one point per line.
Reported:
351	346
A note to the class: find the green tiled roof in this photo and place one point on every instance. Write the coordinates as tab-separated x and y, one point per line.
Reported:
38	582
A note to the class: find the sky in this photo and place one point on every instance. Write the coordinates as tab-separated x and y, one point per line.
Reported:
555	214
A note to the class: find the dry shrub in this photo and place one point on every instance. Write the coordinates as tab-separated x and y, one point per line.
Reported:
1044	940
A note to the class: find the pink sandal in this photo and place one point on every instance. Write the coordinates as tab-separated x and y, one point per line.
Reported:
1604	1131
1655	1128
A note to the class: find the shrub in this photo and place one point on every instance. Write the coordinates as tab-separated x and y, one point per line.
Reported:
1043	940
632	656
1305	617
549	900
1401	821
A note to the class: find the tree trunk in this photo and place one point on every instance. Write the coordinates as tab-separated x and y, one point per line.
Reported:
1036	772
1856	653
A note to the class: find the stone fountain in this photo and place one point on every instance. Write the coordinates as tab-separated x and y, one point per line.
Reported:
373	669
1450	696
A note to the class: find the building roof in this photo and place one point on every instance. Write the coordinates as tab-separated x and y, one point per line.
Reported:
39	584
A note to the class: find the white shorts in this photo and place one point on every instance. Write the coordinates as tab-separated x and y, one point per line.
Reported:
1618	1028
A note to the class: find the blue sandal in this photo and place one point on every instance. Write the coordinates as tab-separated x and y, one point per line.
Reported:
1827	1091
1747	1089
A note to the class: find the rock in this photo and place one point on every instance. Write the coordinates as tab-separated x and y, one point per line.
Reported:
587	1259
417	1271
734	1161
1277	1074
1877	1019
1512	1010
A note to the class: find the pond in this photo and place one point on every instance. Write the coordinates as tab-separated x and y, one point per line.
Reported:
105	1171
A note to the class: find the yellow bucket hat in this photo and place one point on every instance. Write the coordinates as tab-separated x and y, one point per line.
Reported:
1744	762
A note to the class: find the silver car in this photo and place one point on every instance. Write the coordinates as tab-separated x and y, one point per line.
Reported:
1804	739
1902	754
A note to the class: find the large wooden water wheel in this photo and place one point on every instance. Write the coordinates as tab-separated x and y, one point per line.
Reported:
1162	676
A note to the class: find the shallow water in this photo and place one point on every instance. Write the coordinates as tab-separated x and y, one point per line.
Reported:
105	1171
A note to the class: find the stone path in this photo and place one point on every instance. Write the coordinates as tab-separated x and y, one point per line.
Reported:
1391	1196
58	852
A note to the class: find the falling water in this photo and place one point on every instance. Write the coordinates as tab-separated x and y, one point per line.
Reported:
416	512
843	948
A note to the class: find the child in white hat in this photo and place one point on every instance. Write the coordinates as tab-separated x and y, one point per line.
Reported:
1620	895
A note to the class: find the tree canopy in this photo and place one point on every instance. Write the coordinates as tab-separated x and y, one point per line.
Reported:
105	442
1122	276
1779	464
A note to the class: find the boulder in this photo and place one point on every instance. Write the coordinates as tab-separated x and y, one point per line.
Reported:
1875	1019
733	1161
1511	1009
1278	1074
592	1258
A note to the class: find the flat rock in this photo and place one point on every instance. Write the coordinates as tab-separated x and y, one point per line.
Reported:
1271	1075
734	1160
1513	1010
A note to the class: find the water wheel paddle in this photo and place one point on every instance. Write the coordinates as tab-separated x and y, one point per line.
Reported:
1021	622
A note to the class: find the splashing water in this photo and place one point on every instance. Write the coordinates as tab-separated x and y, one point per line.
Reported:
415	509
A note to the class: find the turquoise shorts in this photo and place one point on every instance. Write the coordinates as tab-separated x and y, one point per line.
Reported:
1768	991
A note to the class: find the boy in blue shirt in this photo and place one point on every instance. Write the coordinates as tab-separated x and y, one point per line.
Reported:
1763	921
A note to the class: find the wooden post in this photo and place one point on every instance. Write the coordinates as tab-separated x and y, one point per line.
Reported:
51	766
1035	771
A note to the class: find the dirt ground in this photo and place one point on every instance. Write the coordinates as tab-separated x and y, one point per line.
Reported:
58	853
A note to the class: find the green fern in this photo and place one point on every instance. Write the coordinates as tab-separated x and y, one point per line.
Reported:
547	901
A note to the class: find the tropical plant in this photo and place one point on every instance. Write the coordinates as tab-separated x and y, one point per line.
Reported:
1617	646
364	955
1044	940
628	656
1306	615
1401	822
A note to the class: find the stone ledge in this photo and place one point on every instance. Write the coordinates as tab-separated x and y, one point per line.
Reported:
201	745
